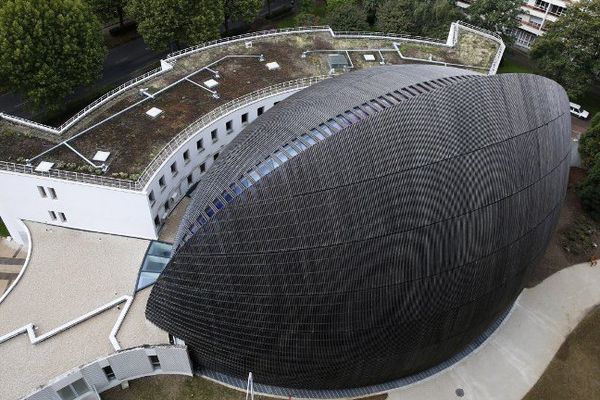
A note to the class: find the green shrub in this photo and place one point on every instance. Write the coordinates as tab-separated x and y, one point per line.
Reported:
589	190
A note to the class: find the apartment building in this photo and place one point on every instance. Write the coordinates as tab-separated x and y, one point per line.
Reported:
534	19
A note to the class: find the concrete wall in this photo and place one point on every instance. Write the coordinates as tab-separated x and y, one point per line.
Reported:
118	211
85	206
125	365
176	185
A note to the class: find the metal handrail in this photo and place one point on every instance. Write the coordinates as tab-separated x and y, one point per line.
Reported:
167	151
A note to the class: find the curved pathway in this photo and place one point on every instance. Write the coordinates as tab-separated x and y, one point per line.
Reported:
511	361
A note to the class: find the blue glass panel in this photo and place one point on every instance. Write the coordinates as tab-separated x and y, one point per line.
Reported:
308	140
376	105
245	182
254	175
281	156
325	129
263	169
209	211
228	198
343	121
235	188
218	204
385	102
317	134
201	220
360	113
334	125
351	117
290	150
301	146
194	228
368	109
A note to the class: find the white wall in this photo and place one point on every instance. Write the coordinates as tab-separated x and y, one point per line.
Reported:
176	186
118	211
89	207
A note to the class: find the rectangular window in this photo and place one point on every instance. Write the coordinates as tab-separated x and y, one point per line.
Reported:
67	393
215	156
74	390
62	216
199	145
202	168
52	193
325	129
42	191
245	118
214	135
167	206
157	220
186	156
174	168
226	196
108	371
52	215
334	125
307	139
151	198
161	182
190	179
155	362
218	204
235	188
229	126
351	117
260	111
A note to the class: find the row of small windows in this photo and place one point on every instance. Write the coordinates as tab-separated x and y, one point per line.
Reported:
308	139
47	192
214	135
79	387
54	216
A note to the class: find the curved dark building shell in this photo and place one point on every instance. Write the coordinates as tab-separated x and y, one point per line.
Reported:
381	248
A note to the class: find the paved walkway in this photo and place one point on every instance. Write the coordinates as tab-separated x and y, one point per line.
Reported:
511	361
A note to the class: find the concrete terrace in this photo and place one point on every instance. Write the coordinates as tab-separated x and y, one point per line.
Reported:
121	127
70	274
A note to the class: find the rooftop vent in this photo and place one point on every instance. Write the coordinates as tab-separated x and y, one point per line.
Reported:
44	166
272	65
369	57
337	61
211	83
154	112
248	44
101	156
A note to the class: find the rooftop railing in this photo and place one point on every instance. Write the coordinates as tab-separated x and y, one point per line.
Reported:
167	151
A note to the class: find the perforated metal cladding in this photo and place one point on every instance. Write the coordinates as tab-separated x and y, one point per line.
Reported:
383	250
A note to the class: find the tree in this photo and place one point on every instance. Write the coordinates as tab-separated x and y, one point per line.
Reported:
348	17
49	48
370	7
170	23
569	52
396	16
109	8
498	16
589	144
240	10
434	18
589	190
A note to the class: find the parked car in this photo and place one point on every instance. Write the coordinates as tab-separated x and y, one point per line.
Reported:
579	112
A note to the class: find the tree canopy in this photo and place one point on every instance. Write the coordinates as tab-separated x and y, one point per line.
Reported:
107	9
348	17
569	52
241	10
49	48
498	16
417	17
168	24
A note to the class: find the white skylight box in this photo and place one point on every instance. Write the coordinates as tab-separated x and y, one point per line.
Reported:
211	83
154	112
101	156
369	57
44	166
272	65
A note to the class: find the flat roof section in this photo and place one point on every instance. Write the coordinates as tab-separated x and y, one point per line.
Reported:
70	274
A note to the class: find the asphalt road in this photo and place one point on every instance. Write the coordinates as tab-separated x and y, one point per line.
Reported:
122	63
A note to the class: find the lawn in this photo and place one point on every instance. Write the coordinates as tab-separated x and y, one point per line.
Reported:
3	230
574	371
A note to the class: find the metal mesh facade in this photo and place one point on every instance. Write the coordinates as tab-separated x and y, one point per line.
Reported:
382	250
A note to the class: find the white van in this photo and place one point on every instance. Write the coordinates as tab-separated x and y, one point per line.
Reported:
579	112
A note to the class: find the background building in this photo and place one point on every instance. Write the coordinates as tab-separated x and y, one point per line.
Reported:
534	18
